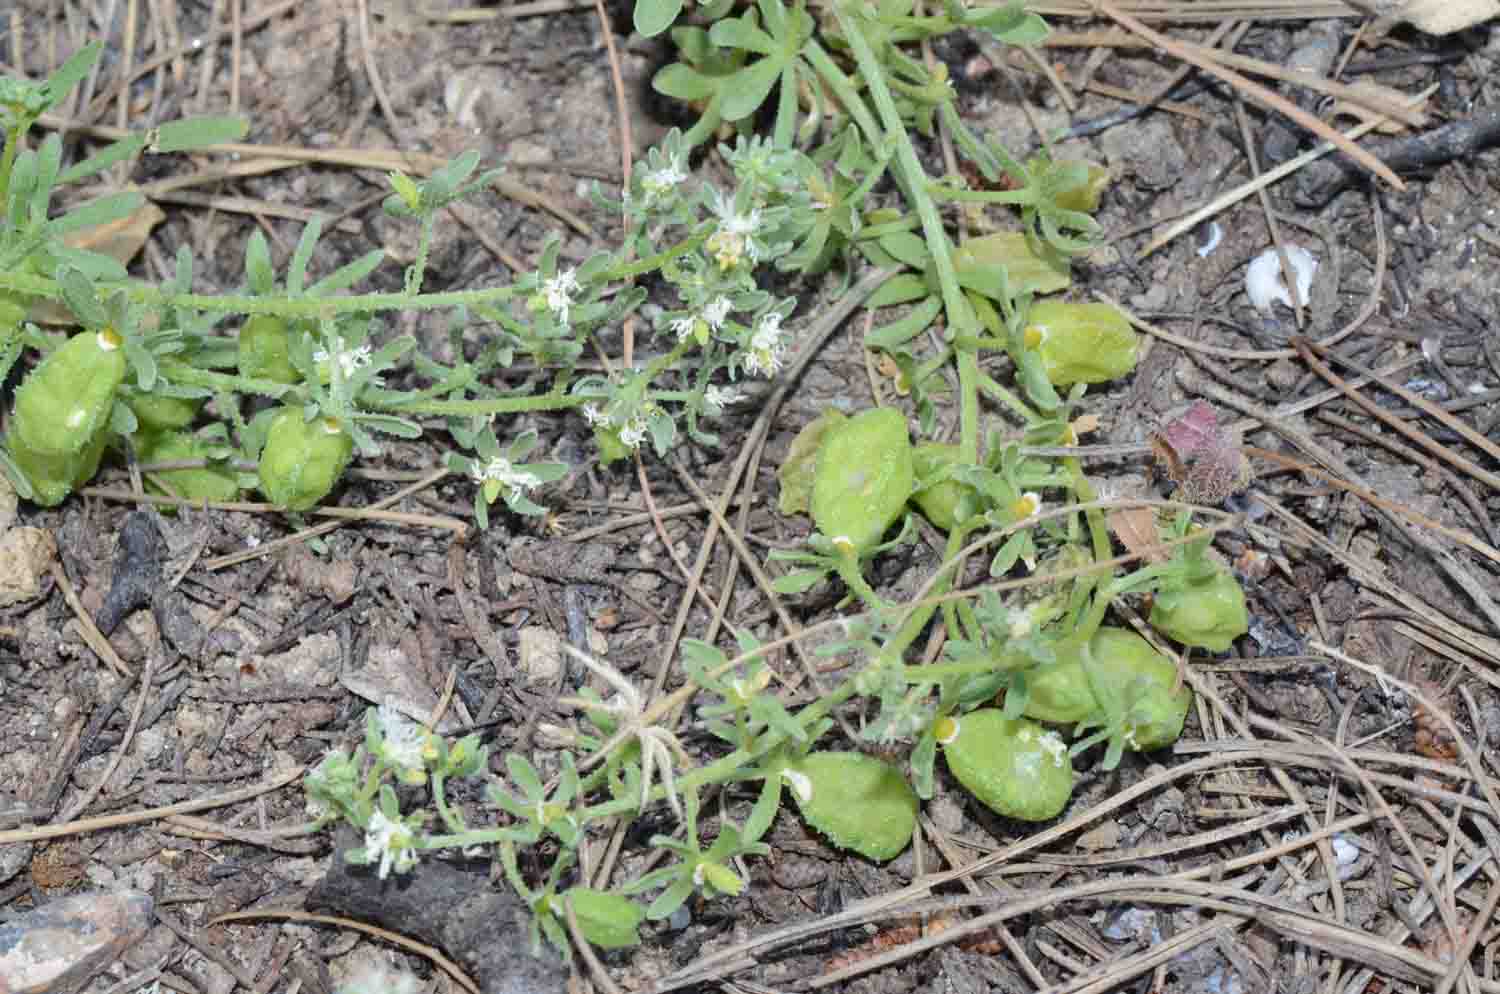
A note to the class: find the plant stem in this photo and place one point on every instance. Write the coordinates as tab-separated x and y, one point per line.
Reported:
483	406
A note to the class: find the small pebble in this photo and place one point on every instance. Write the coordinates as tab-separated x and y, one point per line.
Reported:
58	947
1344	851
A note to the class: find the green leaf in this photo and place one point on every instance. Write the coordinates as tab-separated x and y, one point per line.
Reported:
798	582
742	33
858	801
82	298
609	921
907	247
747	89
671	899
683	82
71	73
296	270
900	289
1012	24
652	17
1003	265
98	162
1011	551
258	265
348	275
764	812
97	213
198	132
889	337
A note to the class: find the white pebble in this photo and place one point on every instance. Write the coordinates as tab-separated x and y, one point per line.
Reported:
1263	280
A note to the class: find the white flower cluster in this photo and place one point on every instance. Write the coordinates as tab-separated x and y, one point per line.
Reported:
401	739
632	432
391	841
716	398
712	316
559	291
767	350
734	240
349	360
500	470
661	181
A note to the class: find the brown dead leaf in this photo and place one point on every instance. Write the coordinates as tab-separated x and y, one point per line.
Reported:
120	240
1436	17
887	367
1084	424
1135	527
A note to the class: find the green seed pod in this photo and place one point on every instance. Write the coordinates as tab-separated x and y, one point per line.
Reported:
864	477
1132	679
1060	692
800	467
858	801
265	350
302	460
157	412
948	502
607	920
1207	613
1015	768
1083	198
1081	343
59	426
211	483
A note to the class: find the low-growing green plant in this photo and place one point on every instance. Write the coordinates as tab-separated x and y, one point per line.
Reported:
298	377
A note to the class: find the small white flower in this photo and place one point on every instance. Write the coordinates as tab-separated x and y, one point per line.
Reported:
594	415
716	398
391	841
500	470
559	292
683	327
735	238
349	360
634	432
661	181
744	225
716	311
401	738
766	351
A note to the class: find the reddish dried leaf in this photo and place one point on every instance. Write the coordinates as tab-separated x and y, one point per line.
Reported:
1201	457
1195	431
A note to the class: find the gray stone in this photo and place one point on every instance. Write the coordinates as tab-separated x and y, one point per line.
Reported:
58	947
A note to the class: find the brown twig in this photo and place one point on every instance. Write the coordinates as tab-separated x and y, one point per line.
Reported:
1254	90
91	633
1305	347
